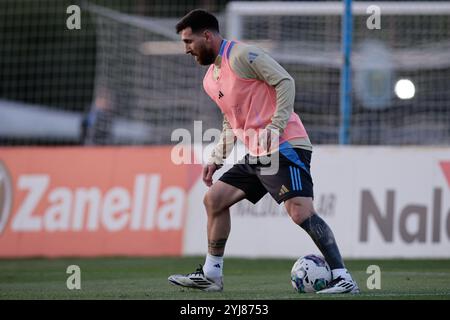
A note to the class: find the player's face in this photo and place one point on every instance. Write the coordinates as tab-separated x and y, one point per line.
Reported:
198	45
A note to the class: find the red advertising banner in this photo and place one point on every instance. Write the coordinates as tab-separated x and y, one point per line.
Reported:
92	201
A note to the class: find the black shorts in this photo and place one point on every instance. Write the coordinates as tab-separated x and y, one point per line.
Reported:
292	179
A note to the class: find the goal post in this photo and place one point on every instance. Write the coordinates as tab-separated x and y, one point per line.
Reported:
412	44
237	10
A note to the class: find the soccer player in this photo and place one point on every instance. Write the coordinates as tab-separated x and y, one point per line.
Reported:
255	95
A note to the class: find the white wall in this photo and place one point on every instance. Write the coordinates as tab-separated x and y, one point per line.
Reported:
353	185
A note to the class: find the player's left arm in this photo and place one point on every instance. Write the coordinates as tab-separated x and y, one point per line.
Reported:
252	62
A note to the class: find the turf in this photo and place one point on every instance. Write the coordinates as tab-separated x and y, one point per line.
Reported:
246	279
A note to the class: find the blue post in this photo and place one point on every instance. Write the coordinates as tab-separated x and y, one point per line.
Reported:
346	74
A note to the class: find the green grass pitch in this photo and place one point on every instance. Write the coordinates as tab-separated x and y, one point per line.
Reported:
245	279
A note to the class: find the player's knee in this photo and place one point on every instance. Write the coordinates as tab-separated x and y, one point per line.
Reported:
299	212
212	202
299	216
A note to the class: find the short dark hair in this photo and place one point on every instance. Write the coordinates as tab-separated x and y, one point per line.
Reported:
198	20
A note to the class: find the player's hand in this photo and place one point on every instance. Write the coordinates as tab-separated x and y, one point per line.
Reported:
208	171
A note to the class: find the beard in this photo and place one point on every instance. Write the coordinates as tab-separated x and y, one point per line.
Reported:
206	57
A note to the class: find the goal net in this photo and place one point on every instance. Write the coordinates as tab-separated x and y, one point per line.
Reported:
123	78
400	65
147	83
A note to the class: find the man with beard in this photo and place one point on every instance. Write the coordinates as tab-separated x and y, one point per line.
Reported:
256	96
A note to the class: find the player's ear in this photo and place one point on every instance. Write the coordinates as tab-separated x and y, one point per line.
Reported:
207	34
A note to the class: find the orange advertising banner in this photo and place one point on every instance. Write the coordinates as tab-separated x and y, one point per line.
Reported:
92	201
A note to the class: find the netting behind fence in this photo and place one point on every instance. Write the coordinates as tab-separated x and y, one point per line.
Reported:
123	77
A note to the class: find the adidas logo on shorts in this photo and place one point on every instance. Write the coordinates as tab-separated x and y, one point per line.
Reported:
283	190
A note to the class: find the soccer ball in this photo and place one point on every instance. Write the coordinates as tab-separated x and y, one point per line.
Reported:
310	273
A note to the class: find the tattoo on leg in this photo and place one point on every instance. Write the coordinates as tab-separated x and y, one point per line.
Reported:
323	237
217	247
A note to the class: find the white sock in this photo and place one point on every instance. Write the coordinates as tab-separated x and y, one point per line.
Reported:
342	272
213	267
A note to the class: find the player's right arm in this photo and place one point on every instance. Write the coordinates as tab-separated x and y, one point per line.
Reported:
220	152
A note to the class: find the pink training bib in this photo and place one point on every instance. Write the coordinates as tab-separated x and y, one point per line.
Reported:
248	104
